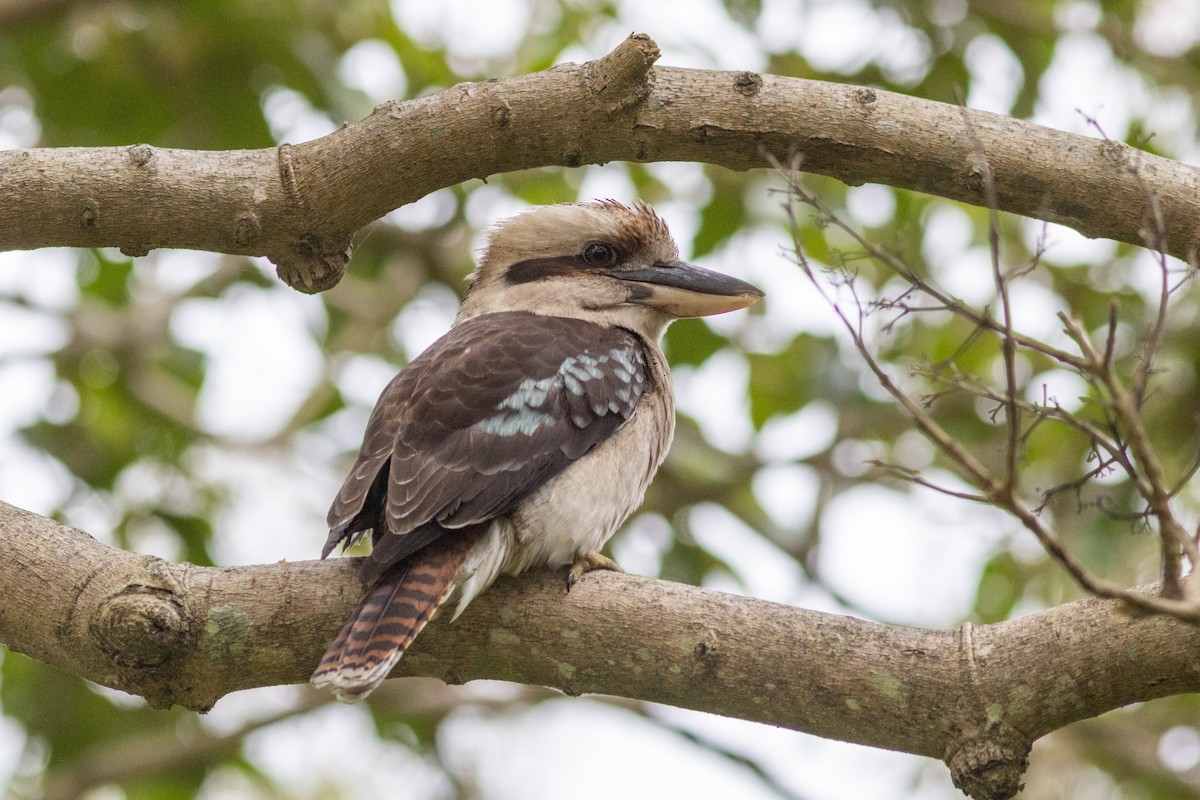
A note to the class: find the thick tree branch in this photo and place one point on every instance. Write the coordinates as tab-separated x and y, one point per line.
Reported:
299	204
975	697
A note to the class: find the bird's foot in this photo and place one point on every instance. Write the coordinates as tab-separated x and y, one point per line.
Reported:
588	562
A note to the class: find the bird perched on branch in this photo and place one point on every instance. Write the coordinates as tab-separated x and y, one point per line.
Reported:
528	433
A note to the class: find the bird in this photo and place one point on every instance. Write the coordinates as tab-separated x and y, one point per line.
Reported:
527	434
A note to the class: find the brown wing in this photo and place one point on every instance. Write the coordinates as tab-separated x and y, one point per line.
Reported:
493	409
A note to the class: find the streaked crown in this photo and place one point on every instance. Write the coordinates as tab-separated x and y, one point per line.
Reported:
560	233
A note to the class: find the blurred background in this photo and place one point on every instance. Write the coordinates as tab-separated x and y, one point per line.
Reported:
191	406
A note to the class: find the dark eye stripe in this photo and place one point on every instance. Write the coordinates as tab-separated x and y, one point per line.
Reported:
537	268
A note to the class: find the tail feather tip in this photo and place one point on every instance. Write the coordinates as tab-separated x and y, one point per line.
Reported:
351	685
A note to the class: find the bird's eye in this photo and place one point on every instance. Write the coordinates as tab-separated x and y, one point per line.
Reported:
599	254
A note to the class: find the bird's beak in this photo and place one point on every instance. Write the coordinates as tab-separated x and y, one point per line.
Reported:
685	290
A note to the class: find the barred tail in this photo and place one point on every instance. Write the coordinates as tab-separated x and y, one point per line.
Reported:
388	619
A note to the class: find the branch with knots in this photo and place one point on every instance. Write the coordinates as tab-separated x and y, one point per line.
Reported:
188	635
300	205
1112	422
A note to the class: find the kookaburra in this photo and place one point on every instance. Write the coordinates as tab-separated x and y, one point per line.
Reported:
528	433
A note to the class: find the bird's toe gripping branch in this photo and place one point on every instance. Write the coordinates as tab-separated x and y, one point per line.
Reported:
588	562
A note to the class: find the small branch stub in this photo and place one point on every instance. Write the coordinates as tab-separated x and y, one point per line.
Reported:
748	84
141	627
140	154
990	768
313	266
89	214
620	78
247	229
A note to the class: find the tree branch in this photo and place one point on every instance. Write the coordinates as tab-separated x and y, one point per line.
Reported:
150	753
976	697
299	204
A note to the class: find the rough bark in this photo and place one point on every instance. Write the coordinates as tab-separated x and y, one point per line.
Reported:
299	204
976	697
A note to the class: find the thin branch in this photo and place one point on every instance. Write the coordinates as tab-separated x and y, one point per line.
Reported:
1155	239
1150	479
1001	493
947	303
1127	401
1141	376
1157	495
912	476
1007	341
1110	342
1186	476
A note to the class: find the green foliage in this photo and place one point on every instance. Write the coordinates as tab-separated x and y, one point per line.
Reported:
785	382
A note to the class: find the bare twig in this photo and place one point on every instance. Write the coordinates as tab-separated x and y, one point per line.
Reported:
1122	435
1008	343
1127	400
912	476
1149	479
945	302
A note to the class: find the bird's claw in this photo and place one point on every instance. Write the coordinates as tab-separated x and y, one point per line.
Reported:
588	562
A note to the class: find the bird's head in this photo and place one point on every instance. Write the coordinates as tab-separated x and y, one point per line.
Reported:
601	261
